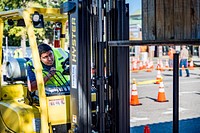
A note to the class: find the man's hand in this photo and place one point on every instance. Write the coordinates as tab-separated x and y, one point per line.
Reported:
50	74
52	71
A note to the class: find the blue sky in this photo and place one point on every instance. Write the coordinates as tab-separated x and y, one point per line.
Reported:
134	5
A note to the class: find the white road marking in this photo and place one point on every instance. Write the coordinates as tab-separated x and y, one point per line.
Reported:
167	83
170	110
189	92
135	119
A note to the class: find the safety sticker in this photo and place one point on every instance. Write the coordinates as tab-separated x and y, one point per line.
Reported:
74	119
74	76
56	102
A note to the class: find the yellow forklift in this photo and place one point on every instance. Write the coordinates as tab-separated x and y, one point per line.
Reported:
19	112
91	26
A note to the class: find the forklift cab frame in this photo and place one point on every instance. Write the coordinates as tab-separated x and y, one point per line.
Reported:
49	14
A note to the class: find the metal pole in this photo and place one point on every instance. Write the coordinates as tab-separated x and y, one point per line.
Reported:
6	48
100	87
100	67
176	93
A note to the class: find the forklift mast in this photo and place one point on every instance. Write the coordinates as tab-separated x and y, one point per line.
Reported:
92	23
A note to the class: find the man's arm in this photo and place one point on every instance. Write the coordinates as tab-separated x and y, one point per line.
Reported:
32	85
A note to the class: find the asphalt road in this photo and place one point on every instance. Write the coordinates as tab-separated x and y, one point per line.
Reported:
159	115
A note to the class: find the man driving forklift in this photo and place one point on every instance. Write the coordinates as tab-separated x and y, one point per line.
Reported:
54	61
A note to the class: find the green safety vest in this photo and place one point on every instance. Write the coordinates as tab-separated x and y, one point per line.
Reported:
58	79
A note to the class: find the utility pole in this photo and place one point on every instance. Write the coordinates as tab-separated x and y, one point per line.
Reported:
23	44
6	48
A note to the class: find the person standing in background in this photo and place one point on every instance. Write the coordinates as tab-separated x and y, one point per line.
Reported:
184	54
171	56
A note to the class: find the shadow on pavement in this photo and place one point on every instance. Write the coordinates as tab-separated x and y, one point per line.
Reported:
191	125
198	93
167	74
152	98
195	74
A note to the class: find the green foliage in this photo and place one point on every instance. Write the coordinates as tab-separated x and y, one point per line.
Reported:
17	31
39	35
14	40
49	31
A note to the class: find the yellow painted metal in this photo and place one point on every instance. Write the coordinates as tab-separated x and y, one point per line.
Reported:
63	32
1	42
49	14
93	97
38	70
18	117
14	14
59	109
15	92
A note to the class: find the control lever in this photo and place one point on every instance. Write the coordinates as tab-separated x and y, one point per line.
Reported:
65	66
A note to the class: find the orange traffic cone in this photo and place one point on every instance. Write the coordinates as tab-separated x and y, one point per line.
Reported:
141	66
144	65
146	129
158	78
191	65
161	93
134	67
149	69
134	95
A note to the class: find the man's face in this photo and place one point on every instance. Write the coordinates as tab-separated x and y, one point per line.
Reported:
47	58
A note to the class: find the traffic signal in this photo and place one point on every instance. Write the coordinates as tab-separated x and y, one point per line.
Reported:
38	21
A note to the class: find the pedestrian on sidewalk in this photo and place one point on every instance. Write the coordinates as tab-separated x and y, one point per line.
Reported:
184	54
